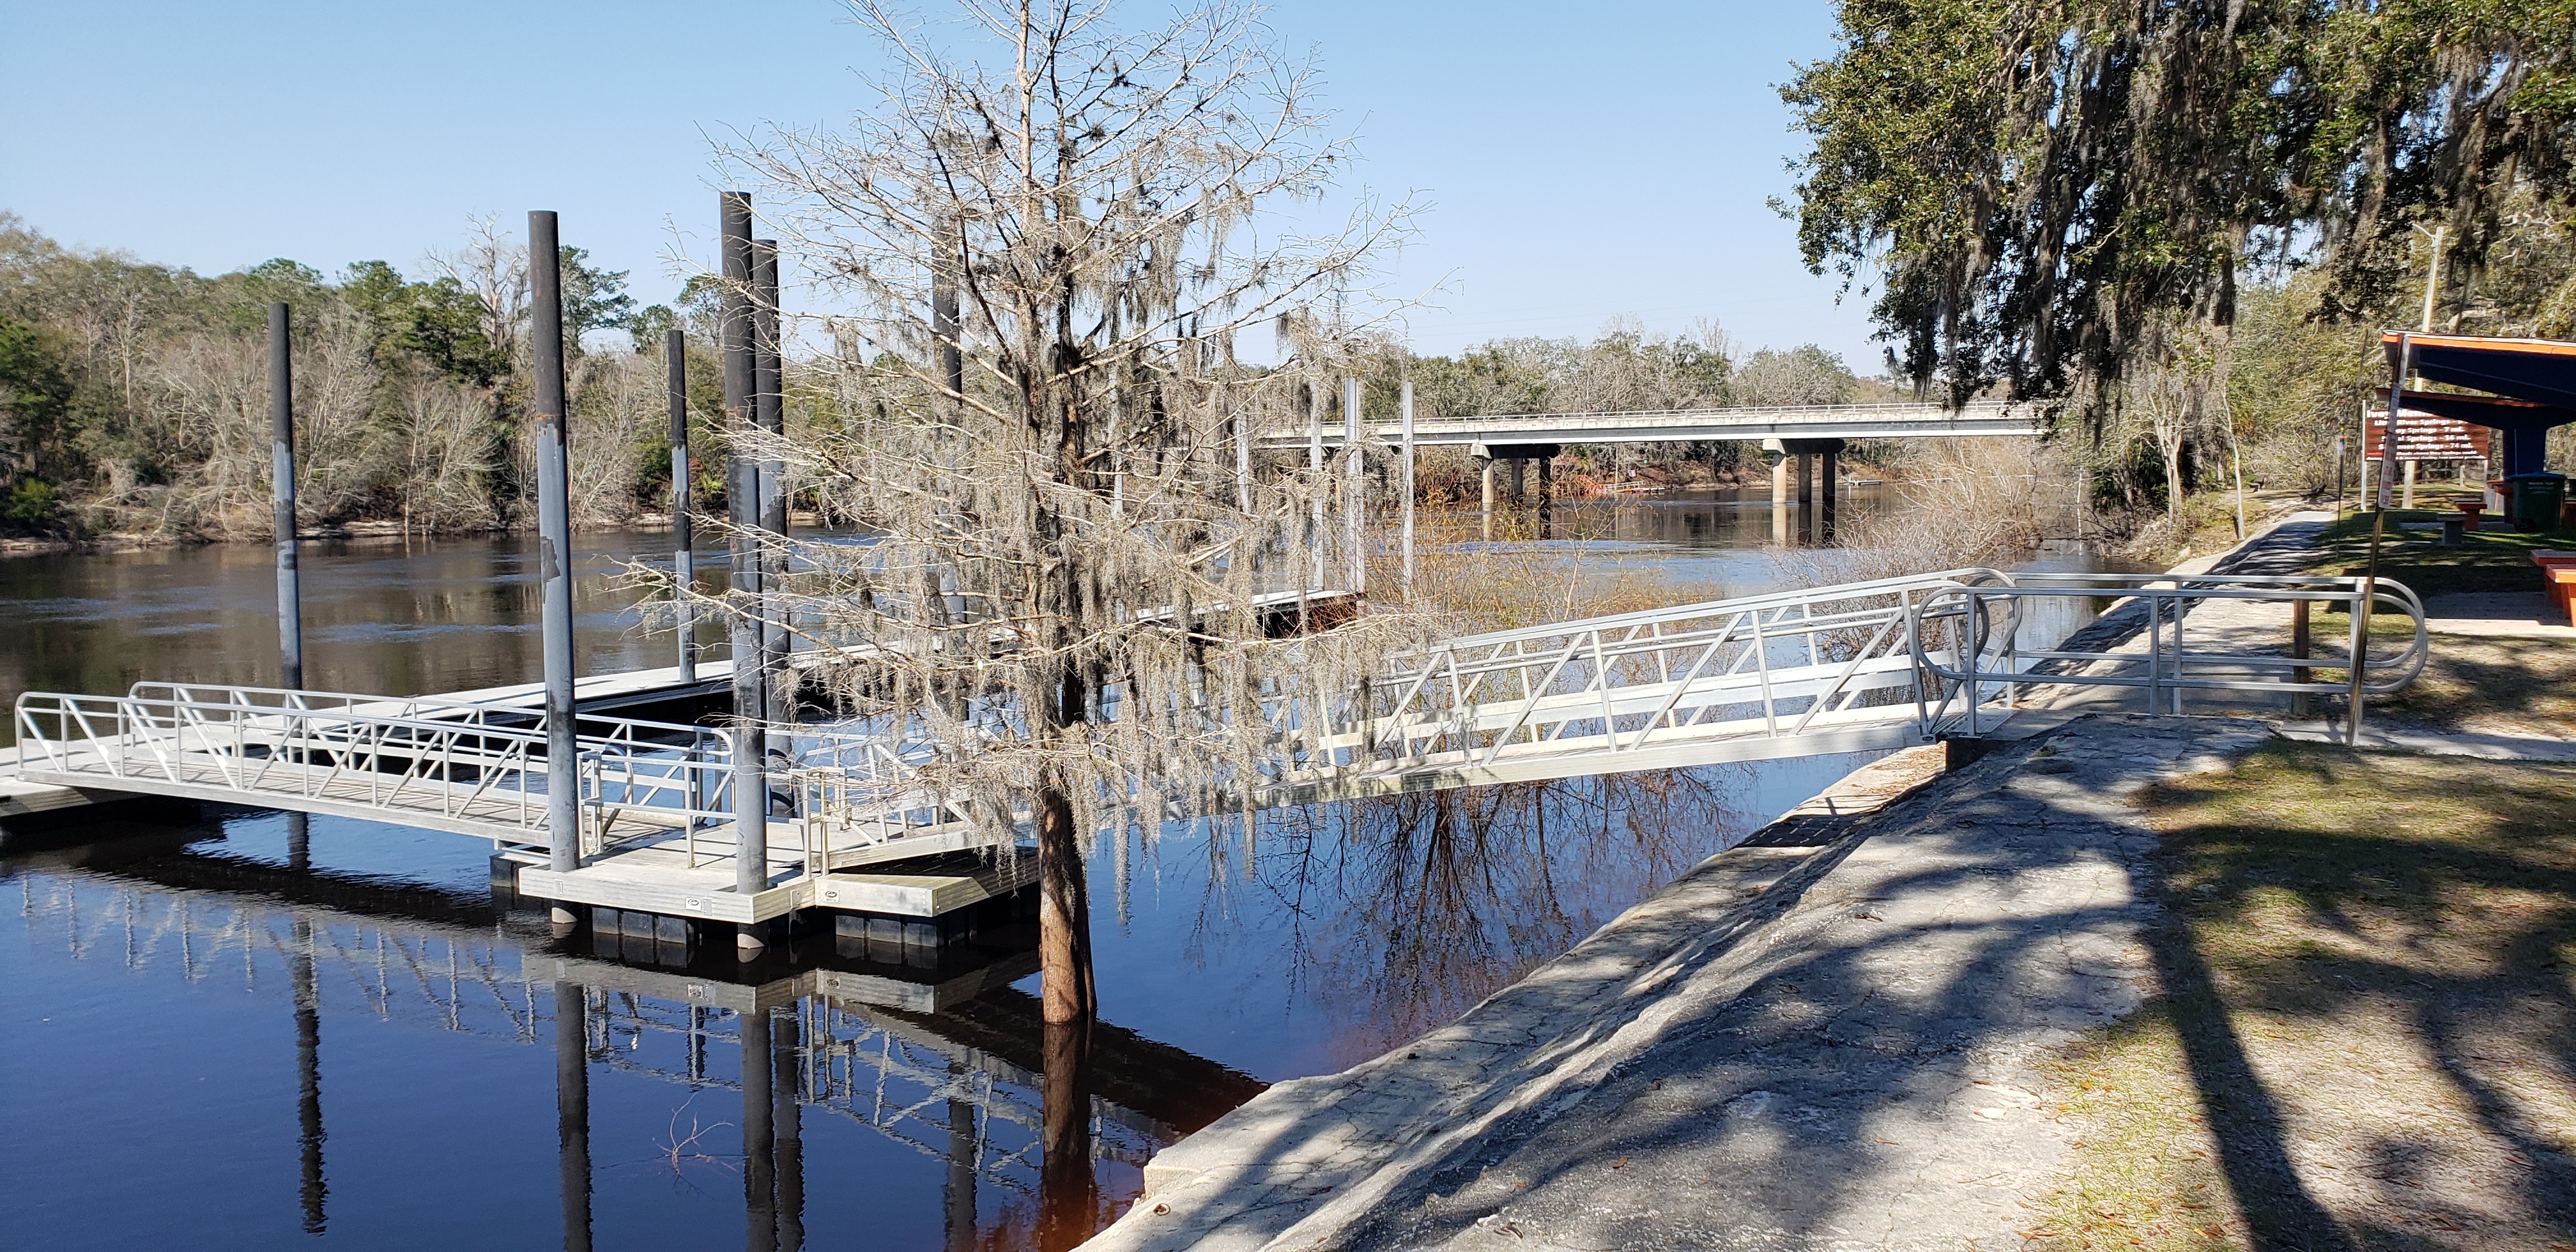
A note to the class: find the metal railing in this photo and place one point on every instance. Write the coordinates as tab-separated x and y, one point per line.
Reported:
1851	667
465	764
2171	662
1725	679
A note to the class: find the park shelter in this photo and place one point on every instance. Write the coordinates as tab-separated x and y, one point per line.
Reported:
2531	386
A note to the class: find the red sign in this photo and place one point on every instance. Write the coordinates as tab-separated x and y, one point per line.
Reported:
2424	437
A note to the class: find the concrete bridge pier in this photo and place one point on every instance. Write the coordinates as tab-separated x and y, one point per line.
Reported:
1485	468
1491	456
1779	459
1815	518
1546	495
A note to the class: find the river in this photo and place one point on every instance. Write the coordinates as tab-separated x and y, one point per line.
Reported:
223	1039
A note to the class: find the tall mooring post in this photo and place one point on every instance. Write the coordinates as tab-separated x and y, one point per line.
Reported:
742	506
281	490
1407	489
281	478
768	410
683	572
1354	485
554	547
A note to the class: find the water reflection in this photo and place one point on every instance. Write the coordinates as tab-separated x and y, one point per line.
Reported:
836	1092
379	616
831	1095
1339	931
949	1119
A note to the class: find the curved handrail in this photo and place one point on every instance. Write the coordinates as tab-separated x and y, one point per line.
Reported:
2380	677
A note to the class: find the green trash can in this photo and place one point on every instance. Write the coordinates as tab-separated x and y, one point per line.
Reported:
2536	500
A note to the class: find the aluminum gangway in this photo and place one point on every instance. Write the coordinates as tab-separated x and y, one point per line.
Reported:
656	798
1855	667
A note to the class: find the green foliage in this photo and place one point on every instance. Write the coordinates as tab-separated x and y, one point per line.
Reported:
1505	376
35	395
593	299
649	325
33	505
2037	187
443	325
436	324
134	396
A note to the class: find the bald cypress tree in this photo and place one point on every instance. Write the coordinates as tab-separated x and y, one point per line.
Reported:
1048	244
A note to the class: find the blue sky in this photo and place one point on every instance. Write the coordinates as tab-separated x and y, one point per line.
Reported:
1579	162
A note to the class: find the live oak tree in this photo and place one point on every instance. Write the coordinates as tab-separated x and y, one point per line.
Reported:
2041	192
1046	247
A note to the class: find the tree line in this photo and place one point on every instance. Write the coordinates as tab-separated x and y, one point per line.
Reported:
133	395
2183	224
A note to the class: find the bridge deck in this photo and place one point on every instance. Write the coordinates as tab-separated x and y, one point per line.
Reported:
1839	421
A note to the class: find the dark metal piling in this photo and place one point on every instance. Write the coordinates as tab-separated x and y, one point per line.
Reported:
281	477
308	1073
786	1076
759	1142
742	500
554	547
683	573
769	411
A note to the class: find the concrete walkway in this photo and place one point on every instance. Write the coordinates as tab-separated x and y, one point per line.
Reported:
2497	615
1828	1042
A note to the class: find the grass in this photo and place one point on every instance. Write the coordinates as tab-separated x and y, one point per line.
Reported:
2207	524
2492	559
1510	581
2491	686
2366	1020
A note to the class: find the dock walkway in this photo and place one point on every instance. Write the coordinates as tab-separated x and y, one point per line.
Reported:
1879	665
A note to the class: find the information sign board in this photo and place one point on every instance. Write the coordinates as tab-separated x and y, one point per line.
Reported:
2424	437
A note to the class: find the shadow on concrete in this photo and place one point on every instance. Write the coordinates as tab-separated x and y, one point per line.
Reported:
2456	928
1817	1085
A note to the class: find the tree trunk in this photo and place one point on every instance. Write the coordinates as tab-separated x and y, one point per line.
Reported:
2173	480
1064	913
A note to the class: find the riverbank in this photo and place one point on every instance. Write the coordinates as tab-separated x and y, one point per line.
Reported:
1921	1026
1836	1033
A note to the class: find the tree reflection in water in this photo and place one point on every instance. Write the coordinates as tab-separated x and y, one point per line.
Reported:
1392	915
